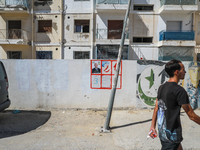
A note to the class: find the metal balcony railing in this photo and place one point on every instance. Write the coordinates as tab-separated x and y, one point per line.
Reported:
176	35
13	34
112	1
24	3
110	34
178	2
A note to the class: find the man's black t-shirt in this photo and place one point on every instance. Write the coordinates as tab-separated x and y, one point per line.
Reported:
170	98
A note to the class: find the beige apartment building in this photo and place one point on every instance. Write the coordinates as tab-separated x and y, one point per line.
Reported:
91	29
30	29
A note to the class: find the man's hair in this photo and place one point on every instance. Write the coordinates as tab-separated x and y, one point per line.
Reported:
172	66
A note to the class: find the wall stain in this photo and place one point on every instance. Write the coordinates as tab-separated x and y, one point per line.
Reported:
85	36
67	27
54	25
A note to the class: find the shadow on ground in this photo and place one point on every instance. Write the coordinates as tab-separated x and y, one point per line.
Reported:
130	124
14	123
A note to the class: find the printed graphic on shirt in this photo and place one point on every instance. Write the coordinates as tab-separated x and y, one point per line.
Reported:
165	134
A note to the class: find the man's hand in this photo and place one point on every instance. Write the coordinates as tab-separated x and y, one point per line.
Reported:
152	133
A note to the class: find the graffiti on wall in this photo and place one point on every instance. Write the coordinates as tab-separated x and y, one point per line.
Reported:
150	75
192	84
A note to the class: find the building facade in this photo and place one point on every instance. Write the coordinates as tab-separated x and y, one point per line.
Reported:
92	29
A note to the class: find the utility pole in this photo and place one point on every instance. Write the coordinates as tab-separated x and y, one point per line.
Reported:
106	127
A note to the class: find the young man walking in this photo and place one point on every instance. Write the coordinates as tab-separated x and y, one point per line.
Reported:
171	97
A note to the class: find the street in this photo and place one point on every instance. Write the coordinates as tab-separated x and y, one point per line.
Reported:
79	130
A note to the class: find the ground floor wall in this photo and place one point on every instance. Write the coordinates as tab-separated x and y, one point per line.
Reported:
66	84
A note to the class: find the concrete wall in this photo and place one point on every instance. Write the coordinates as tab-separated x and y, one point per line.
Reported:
66	84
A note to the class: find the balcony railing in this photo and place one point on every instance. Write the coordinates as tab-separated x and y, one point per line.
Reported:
13	34
112	1
14	2
110	34
178	2
176	35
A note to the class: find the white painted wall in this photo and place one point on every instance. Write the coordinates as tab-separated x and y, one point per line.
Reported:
64	84
78	6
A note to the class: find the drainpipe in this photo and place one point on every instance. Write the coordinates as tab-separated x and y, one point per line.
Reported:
93	30
32	41
62	29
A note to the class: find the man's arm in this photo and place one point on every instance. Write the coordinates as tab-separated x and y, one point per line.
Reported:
191	114
154	118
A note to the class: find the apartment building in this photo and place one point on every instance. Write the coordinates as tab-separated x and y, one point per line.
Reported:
91	29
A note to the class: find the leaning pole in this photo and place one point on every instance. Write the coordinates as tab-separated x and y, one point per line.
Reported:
106	127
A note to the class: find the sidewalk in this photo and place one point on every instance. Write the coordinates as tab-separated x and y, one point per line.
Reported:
79	130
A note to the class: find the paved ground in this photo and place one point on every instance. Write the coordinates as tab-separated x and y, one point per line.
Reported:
79	130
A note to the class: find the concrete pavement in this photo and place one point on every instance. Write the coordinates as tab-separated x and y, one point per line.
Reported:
79	130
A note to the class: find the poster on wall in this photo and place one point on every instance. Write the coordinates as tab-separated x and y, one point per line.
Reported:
150	75
102	74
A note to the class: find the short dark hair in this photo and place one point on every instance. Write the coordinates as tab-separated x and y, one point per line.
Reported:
172	66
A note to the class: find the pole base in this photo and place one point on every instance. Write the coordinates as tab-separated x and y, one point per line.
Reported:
103	130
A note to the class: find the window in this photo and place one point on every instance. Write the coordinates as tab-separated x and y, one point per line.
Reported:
14	29
43	54
174	25
44	25
81	55
142	39
137	7
115	28
111	52
14	55
82	26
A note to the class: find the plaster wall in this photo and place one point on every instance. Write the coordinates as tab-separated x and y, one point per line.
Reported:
78	6
64	84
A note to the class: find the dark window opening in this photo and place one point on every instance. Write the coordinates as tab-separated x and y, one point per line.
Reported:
143	7
82	26
111	52
44	25
115	28
14	29
43	54
142	39
14	55
198	56
81	55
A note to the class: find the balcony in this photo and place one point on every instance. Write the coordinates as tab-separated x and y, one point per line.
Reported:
14	36
15	6
102	5
176	38
107	35
178	6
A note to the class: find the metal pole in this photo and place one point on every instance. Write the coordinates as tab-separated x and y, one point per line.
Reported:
114	85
